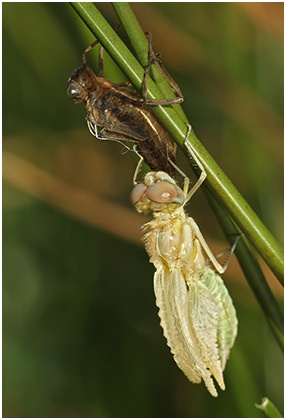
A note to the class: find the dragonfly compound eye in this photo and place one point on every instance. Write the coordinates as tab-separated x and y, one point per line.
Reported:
162	192
75	91
137	193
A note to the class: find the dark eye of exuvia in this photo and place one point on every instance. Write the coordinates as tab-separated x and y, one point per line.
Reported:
75	90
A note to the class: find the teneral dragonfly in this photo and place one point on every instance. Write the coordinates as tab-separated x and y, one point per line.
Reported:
119	115
196	311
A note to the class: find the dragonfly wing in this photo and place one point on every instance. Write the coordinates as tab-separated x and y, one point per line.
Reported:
195	316
164	287
124	121
173	300
227	323
204	318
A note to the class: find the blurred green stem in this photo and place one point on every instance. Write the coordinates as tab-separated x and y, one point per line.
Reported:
244	216
268	408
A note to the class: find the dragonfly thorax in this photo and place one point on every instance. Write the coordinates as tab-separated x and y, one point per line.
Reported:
170	240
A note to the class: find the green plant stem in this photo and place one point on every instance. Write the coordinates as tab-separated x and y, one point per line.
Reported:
268	408
252	270
244	216
139	43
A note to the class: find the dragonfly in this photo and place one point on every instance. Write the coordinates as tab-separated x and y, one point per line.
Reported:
196	311
114	113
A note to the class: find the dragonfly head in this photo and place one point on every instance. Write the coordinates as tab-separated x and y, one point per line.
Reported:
80	82
159	192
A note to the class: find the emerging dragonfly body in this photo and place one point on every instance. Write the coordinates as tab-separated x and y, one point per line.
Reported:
197	314
120	115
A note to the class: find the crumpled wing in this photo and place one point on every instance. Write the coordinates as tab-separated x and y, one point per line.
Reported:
125	123
165	289
227	322
204	318
189	326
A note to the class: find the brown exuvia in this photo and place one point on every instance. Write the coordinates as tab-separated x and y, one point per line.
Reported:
114	113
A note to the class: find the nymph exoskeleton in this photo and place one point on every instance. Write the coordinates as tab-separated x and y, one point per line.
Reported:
197	314
114	113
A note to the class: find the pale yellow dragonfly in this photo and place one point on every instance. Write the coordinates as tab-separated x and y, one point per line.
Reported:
197	314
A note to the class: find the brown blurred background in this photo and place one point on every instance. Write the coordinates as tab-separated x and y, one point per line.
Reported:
81	335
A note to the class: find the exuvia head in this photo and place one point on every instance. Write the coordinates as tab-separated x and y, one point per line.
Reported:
158	192
81	80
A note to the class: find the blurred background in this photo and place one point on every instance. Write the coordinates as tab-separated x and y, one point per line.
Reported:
81	334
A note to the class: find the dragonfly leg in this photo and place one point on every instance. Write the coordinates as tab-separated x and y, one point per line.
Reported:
186	179
99	134
100	57
124	84
120	86
219	268
152	60
156	59
228	251
195	158
138	166
189	194
196	186
93	130
87	50
100	61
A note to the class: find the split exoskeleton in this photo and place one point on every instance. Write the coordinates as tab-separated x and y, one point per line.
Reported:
114	113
